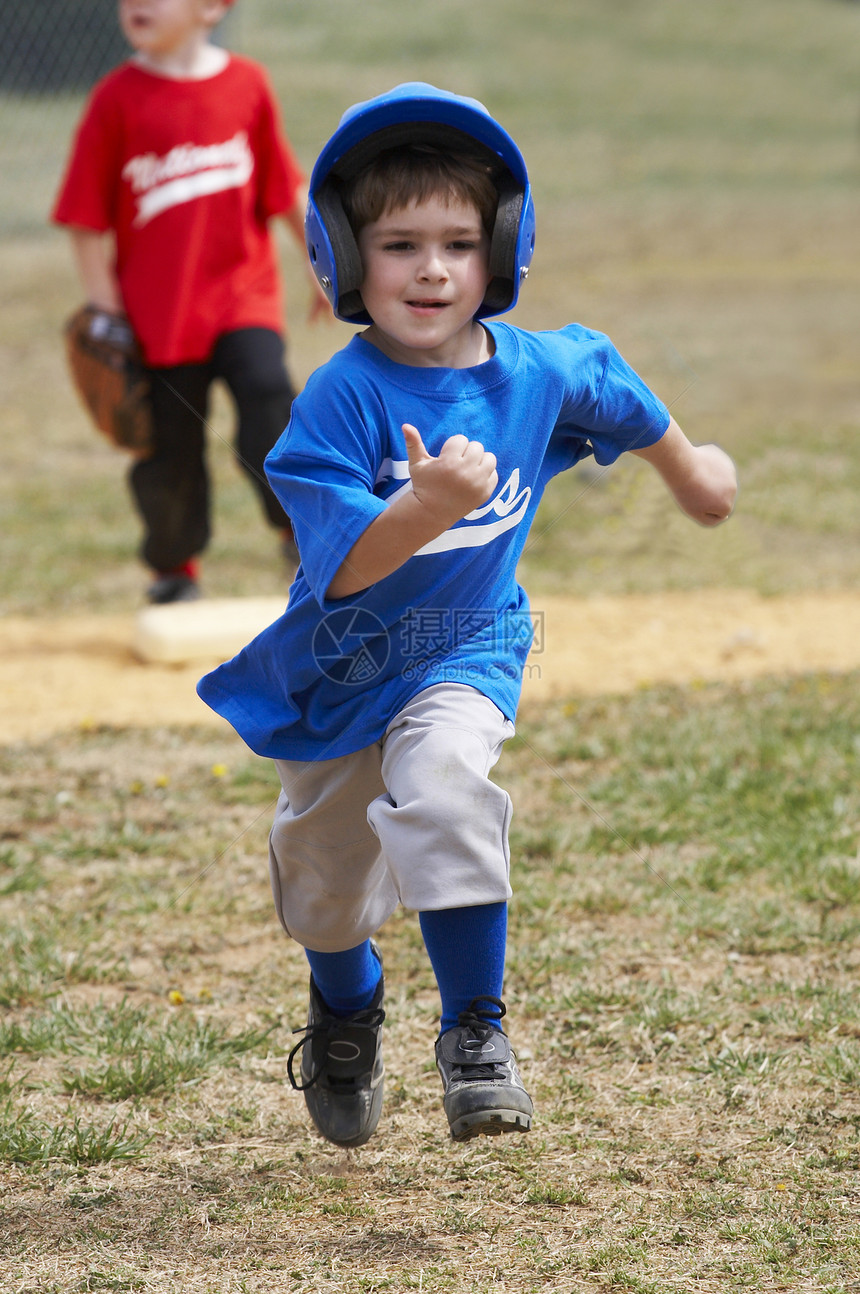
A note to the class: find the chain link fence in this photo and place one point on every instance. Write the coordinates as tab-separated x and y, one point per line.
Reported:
51	54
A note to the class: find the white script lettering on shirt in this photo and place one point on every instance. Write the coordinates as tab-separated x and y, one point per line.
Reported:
186	172
509	505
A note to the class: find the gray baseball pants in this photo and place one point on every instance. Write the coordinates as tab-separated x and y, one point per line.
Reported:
412	819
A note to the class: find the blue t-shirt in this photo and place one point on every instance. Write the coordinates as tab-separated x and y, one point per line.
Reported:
328	676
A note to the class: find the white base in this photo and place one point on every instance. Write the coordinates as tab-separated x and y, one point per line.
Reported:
209	630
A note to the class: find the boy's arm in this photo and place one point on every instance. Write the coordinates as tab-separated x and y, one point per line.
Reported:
444	490
91	250
319	307
701	477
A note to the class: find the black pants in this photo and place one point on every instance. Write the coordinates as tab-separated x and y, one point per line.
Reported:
171	489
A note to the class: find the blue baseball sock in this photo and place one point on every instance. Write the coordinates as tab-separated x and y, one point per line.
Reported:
466	947
348	980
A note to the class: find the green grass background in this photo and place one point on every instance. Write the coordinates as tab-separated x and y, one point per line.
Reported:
695	174
683	957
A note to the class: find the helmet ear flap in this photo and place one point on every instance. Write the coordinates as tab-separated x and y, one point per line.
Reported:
347	261
502	289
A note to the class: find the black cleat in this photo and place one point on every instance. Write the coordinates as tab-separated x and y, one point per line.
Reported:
484	1094
341	1070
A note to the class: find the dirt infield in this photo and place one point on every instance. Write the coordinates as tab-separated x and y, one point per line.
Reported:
57	675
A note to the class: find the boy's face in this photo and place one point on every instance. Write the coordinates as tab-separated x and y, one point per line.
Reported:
162	27
425	275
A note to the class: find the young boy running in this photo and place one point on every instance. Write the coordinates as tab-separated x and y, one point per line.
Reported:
412	467
178	165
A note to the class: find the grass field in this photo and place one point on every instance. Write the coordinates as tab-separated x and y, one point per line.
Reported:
683	988
695	172
684	958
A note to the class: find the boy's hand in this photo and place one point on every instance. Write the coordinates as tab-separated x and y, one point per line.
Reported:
711	492
701	477
444	490
451	486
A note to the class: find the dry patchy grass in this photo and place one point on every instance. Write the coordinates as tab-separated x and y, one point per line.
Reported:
683	1002
683	964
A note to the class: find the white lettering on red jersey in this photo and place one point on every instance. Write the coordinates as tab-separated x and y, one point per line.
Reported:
187	172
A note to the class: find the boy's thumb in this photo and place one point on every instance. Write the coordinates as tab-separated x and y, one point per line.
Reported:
415	448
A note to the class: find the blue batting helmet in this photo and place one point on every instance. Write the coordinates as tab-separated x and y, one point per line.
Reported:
416	113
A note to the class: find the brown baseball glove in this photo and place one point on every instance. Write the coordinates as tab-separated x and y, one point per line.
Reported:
105	364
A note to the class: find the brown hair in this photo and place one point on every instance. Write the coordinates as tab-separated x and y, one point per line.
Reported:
413	173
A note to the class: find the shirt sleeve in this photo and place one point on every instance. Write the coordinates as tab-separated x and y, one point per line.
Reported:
323	471
611	404
87	194
280	175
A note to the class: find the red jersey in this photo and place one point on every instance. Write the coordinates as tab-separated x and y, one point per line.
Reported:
186	174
